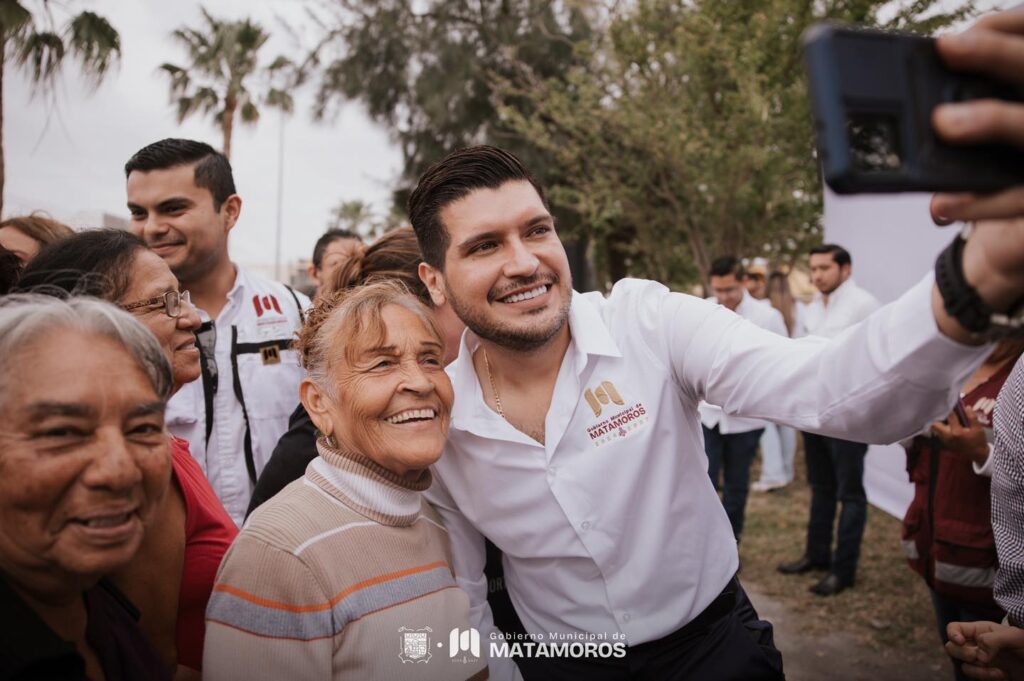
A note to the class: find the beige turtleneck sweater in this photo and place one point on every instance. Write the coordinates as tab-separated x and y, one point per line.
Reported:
345	574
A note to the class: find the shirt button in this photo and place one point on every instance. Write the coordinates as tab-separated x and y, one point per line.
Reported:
626	617
585	525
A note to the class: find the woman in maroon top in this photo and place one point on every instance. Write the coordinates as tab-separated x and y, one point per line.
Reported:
947	531
172	575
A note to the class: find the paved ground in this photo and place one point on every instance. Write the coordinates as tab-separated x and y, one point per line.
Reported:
837	656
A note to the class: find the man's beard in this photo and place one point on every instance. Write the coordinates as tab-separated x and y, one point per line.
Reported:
512	338
831	289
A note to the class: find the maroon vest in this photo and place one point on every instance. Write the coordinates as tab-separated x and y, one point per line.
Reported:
947	532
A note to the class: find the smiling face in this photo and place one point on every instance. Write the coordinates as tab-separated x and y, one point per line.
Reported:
506	274
178	220
84	459
391	400
151	277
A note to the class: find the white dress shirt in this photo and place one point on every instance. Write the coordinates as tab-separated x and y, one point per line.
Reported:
258	312
613	526
847	305
762	313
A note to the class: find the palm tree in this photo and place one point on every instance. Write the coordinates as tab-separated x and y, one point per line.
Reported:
351	215
222	60
35	43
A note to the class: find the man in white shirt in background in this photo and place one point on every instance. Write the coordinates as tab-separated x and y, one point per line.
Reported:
183	202
730	442
835	467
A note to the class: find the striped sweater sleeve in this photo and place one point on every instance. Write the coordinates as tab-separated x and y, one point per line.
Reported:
268	618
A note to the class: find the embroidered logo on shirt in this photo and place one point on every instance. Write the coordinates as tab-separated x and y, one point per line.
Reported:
415	644
619	424
265	304
271	354
604	394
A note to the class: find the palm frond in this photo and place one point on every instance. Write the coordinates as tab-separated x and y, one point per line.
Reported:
95	42
43	52
14	19
249	113
180	79
204	99
279	99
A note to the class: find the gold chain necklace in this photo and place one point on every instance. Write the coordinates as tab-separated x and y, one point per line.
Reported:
494	388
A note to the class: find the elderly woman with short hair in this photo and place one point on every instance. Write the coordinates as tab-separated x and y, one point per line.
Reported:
171	575
84	464
346	574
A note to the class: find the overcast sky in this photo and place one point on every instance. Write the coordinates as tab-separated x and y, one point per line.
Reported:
67	160
74	170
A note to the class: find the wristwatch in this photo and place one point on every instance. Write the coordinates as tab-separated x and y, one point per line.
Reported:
963	303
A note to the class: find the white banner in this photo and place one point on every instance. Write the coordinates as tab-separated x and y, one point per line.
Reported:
893	243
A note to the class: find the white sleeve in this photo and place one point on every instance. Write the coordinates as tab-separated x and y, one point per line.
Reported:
469	556
877	382
985	469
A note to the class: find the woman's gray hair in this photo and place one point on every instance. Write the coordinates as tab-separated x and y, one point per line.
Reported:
24	317
342	317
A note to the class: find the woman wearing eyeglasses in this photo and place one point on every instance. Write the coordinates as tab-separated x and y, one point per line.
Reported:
170	578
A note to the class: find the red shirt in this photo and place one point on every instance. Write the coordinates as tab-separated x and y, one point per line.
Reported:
209	532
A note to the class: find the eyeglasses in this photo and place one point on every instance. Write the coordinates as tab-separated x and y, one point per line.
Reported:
171	301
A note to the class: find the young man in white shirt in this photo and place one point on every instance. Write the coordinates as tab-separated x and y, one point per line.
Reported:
183	202
731	441
575	442
835	467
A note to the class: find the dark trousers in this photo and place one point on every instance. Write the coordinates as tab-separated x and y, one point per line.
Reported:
947	610
732	455
835	473
734	645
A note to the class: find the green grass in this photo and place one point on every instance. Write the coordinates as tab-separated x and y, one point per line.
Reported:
888	610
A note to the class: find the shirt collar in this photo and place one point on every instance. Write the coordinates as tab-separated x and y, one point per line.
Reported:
235	293
241	284
589	336
839	292
744	302
589	332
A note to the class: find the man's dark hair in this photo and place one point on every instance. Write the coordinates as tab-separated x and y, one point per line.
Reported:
328	238
212	168
94	262
452	178
839	254
726	265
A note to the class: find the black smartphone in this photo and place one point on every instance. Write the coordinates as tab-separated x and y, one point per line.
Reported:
961	413
872	96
